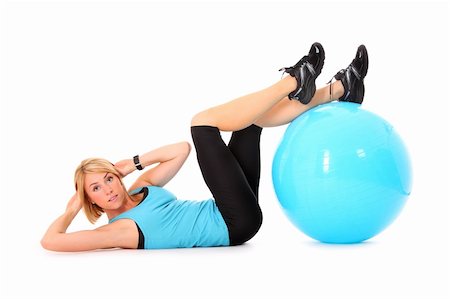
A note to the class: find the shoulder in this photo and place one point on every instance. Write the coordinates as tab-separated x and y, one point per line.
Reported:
119	224
122	232
138	185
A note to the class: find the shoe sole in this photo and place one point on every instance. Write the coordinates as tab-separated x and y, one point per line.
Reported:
309	89
365	58
357	95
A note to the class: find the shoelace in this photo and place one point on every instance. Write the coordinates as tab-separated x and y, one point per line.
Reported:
301	64
343	73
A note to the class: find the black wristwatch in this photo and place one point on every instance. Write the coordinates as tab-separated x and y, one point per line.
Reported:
137	163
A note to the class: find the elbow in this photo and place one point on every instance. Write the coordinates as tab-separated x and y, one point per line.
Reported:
188	147
185	148
48	244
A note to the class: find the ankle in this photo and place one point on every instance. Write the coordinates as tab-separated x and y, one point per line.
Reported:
290	83
337	90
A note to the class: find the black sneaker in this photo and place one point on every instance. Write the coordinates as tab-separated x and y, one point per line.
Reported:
305	72
353	77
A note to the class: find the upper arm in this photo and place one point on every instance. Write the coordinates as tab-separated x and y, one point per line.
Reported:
122	233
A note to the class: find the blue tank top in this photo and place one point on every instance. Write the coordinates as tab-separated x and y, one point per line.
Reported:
167	222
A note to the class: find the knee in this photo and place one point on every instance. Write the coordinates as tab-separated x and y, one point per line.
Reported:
196	119
202	119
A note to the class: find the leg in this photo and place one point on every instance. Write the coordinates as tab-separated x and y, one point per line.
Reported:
244	145
244	111
287	110
228	184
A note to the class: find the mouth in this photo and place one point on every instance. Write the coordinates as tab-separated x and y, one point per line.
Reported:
113	198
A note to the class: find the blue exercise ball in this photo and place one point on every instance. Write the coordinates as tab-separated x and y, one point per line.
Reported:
341	174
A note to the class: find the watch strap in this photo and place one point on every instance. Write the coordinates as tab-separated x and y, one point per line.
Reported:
137	163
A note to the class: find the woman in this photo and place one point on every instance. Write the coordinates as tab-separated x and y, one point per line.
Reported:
148	216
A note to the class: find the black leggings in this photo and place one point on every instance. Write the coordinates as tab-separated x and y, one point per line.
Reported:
232	174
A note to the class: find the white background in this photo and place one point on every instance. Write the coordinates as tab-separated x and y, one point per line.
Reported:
117	78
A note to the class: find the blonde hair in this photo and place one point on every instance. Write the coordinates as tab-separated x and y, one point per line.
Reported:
88	166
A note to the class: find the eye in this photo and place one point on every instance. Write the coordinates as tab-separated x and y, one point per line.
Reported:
109	179
96	188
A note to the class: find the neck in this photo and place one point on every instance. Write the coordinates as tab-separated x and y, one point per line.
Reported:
128	204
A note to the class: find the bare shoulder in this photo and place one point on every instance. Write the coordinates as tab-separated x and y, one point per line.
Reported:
125	232
121	224
138	184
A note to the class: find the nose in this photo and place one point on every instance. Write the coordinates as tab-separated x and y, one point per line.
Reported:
109	190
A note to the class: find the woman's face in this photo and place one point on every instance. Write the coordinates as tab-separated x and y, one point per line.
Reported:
105	190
